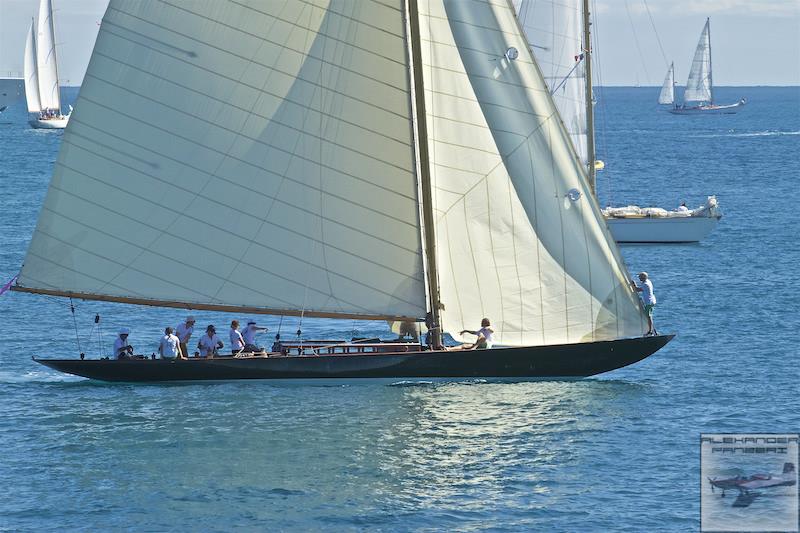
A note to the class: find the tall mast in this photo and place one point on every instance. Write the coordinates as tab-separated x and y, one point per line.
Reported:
425	173
710	79
587	61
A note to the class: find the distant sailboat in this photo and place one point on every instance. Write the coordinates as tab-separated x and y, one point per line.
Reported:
700	85
42	90
667	94
557	31
341	162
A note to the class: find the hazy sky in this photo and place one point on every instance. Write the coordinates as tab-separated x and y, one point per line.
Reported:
755	42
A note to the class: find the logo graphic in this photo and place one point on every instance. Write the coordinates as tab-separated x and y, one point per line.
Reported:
749	482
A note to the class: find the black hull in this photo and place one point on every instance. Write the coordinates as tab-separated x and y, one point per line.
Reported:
561	361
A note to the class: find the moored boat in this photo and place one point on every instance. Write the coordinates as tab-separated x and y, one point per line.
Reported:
650	225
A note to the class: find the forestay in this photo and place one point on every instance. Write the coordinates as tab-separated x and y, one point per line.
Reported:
554	30
698	86
511	245
240	155
667	95
46	63
31	76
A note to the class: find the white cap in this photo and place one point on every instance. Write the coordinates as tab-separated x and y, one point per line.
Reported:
124	331
643	274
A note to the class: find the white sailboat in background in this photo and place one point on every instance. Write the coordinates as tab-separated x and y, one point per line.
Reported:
557	31
42	90
700	85
667	94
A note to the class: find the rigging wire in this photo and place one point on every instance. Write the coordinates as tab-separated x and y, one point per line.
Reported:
75	323
603	108
636	40
658	39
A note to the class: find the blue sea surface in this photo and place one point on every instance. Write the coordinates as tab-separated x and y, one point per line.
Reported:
618	452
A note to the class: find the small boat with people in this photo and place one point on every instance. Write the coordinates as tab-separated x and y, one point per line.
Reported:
405	179
647	225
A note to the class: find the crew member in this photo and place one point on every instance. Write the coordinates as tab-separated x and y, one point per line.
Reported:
249	336
123	350
184	333
170	346
648	298
209	343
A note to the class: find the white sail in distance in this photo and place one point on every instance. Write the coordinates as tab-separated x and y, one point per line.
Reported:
30	73
554	30
698	86
667	94
519	236
46	61
249	156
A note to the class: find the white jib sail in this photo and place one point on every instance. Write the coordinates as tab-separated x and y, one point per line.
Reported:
554	30
698	86
667	95
46	66
511	245
240	154
31	76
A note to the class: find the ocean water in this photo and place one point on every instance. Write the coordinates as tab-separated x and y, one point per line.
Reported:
618	452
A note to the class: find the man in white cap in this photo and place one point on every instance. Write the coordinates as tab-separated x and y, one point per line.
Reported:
184	333
123	350
249	335
649	300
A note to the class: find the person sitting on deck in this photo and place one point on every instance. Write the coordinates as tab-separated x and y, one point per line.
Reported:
682	208
170	346
184	333
123	350
237	341
249	336
209	343
485	338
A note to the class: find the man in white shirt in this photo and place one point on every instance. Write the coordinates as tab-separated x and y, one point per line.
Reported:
122	350
237	342
249	336
170	346
209	343
649	300
184	333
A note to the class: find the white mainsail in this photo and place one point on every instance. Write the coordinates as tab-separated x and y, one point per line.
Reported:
240	155
554	30
698	86
667	94
31	76
511	245
46	62
243	155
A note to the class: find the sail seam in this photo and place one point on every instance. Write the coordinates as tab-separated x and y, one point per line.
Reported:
138	171
256	267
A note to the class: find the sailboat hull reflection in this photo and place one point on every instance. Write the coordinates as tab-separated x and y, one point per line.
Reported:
560	361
